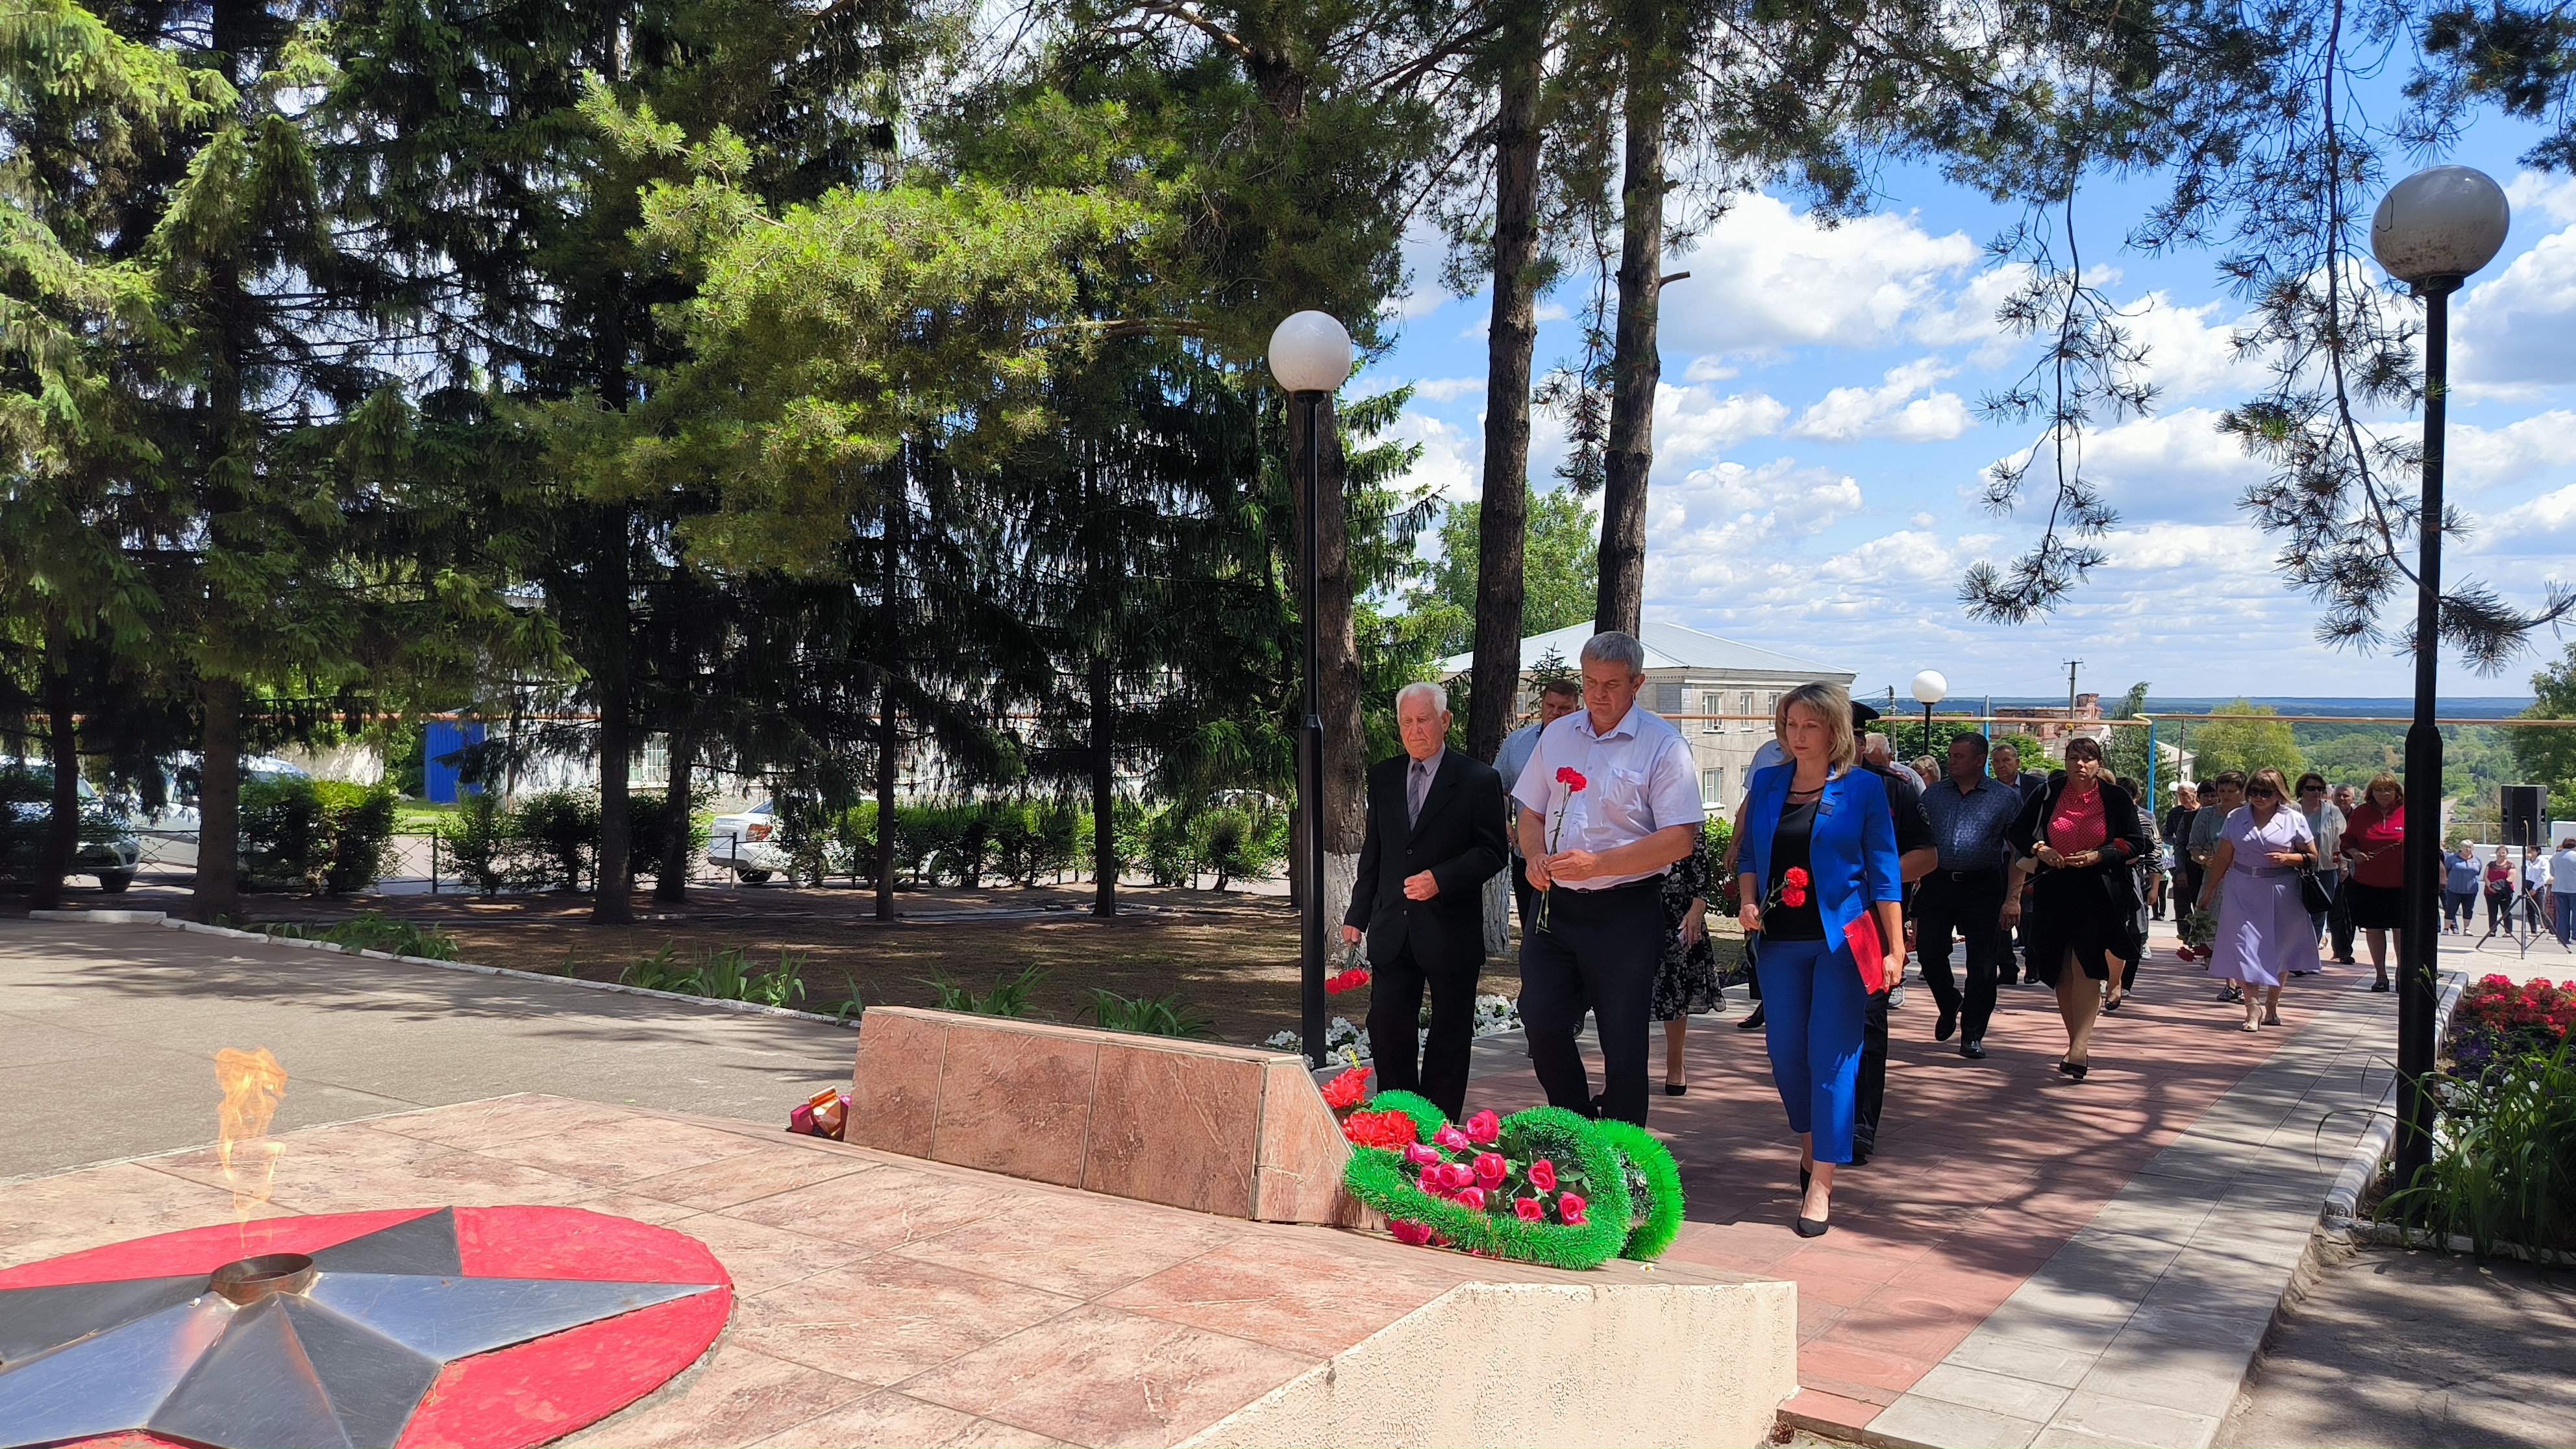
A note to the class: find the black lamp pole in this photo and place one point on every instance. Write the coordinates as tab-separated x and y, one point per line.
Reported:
2419	945
1310	740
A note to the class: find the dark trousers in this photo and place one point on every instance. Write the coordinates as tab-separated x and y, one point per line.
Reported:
2339	925
1598	953
1394	1025
1523	897
1969	904
2460	908
1869	1094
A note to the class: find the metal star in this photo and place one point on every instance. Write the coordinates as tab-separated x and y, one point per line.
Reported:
340	1363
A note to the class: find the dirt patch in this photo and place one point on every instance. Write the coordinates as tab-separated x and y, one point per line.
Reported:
1230	955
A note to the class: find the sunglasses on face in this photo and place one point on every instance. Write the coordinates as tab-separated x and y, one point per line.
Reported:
2312	789
2262	792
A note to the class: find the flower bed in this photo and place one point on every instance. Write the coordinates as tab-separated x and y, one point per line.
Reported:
2504	1149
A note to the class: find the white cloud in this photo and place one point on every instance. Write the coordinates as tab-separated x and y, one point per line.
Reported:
2175	465
1452	461
1766	278
2509	336
2186	355
2478	459
1849	413
1448	389
2541	525
2552	196
1694	424
1707	369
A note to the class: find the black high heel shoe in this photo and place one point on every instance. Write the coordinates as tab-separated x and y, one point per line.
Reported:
1812	1227
2075	1070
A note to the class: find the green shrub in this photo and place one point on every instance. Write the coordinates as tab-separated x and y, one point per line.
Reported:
375	931
648	831
722	975
1151	1015
1241	844
1007	998
2504	1157
556	835
314	835
476	843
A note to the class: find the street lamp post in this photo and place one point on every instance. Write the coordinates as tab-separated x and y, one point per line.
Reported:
1930	689
1310	355
2431	231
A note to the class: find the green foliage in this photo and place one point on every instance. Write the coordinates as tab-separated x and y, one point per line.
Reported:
476	843
375	931
2548	756
2034	755
2504	1158
315	835
1007	998
1150	1015
724	974
554	839
2246	744
1560	571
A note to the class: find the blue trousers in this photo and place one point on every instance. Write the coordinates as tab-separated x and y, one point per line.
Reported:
1814	1008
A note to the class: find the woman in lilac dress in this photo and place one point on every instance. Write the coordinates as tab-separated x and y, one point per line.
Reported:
2263	928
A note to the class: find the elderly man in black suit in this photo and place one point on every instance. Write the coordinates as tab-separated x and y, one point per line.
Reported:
1435	836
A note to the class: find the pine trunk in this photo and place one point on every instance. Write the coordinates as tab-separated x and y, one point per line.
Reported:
1502	525
671	877
1635	369
218	892
62	745
1104	790
610	901
889	745
1345	802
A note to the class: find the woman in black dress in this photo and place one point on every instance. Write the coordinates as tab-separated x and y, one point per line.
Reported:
2078	836
1686	979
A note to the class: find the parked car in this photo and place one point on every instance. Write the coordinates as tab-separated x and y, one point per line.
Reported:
746	844
169	834
108	848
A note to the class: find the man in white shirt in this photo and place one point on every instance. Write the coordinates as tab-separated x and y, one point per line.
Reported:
1609	801
1557	698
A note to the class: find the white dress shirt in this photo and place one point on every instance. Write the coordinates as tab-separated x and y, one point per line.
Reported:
1638	779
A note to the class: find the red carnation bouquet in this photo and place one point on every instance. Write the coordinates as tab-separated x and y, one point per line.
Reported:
1570	783
1792	889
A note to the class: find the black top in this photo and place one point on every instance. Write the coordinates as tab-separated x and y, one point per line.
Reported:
1789	843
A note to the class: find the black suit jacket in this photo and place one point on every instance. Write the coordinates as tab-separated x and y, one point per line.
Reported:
1459	839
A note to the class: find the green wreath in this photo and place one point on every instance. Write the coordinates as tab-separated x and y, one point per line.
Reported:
1632	1189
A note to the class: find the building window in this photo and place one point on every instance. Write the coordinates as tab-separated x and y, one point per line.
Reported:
1772	706
1744	706
1712	788
1712	705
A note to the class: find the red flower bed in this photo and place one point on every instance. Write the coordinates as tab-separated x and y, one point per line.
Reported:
2498	1017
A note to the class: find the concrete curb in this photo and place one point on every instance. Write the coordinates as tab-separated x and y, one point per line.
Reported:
162	919
2361	1169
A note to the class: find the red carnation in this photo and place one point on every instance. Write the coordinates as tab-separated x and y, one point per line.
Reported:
1793	896
1570	777
1390	1130
1795	875
1346	1089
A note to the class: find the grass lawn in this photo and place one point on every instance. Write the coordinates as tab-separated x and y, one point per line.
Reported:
1231	956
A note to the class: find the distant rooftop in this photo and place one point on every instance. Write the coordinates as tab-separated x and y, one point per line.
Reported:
1669	646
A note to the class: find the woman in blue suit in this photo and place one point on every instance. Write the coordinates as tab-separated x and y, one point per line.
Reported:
1819	871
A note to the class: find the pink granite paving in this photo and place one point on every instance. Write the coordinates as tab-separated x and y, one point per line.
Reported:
882	1299
1983	1169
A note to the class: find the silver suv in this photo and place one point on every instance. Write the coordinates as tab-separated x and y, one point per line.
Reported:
108	848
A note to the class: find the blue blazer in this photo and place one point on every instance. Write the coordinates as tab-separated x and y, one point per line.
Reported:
1851	855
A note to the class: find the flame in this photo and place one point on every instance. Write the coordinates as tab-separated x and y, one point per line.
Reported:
252	1083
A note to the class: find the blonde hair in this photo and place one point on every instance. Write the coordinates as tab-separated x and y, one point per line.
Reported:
2279	783
2370	792
1831	704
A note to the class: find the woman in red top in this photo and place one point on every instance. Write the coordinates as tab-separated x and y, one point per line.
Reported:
2078	836
2374	859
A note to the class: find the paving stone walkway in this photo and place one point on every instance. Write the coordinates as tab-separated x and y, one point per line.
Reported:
2030	1260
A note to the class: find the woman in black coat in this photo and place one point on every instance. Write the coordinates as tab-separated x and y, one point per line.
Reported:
2079	837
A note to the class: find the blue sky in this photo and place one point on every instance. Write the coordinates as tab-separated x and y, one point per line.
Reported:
1818	454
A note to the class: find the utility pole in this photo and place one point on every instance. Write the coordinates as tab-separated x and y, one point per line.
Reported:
2070	694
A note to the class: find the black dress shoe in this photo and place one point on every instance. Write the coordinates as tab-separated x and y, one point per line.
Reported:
2074	1069
1675	1089
1812	1227
1948	1023
1974	1051
1753	1022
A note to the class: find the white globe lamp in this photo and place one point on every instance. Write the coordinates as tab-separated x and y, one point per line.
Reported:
2443	221
1310	352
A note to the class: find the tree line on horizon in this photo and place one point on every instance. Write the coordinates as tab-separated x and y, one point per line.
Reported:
830	386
